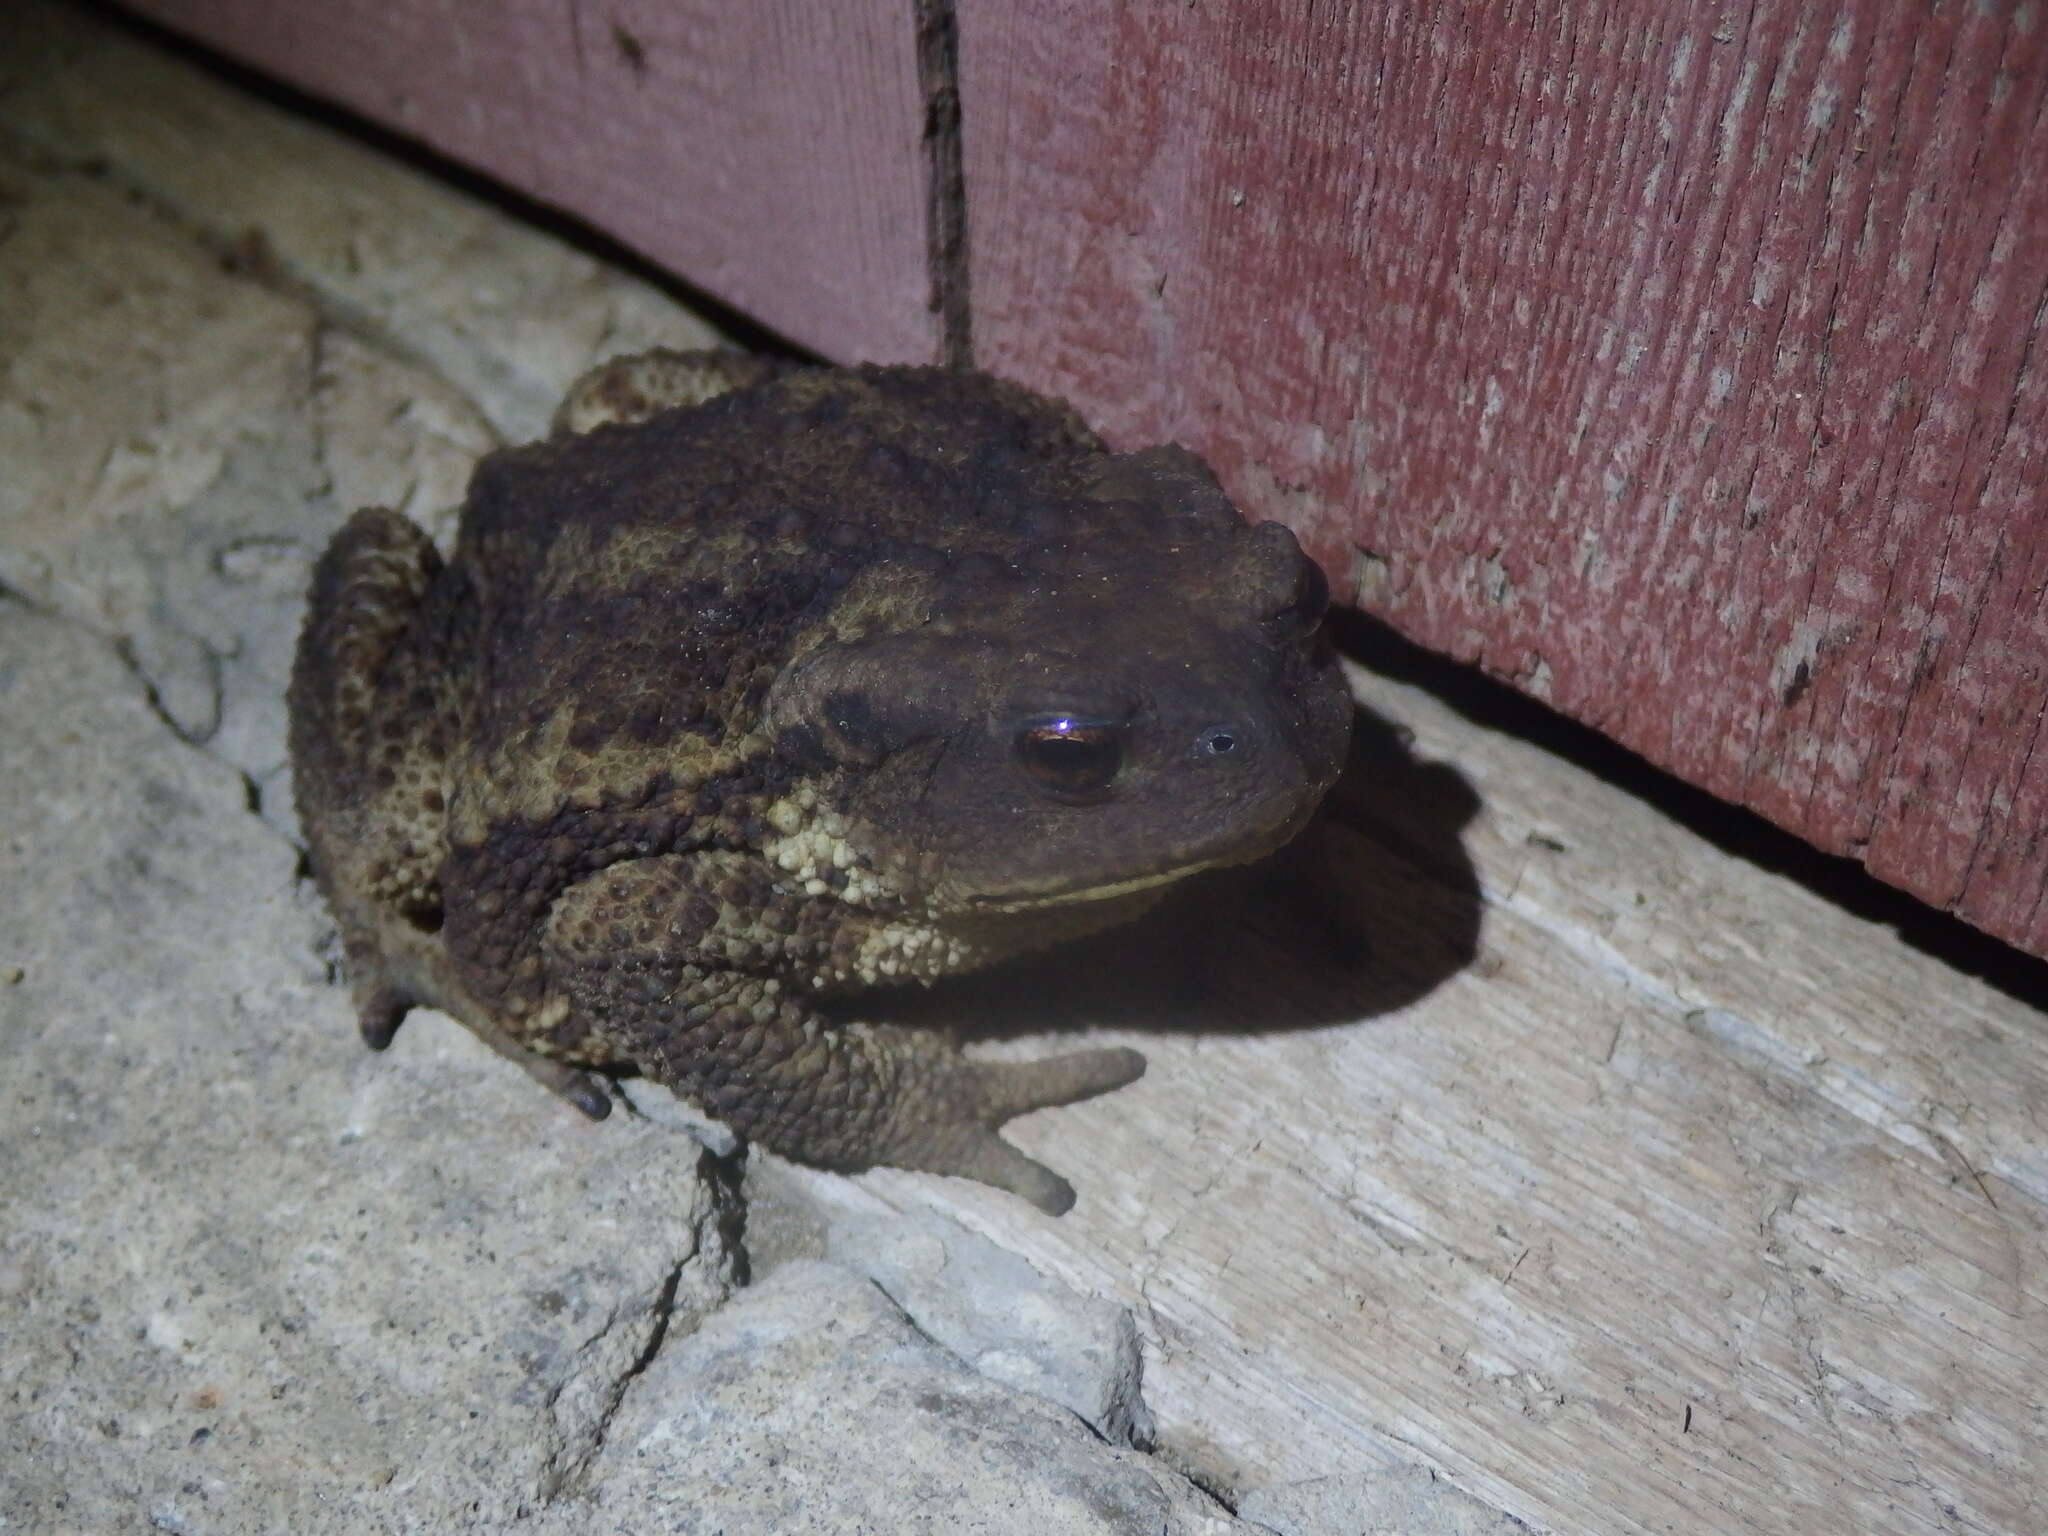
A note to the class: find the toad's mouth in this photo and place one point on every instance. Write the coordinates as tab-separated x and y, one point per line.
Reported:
1094	895
1085	895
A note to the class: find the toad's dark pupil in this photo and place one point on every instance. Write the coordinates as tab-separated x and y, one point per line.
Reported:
1069	755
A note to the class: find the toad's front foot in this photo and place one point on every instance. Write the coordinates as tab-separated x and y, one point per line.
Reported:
951	1126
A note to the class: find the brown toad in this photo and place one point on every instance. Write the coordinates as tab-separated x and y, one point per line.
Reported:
756	683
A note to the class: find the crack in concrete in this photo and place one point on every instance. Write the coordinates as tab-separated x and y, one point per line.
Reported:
576	1451
125	652
122	648
1127	1395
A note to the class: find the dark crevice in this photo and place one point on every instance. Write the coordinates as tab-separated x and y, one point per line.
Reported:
124	651
570	1464
726	1177
1734	830
1206	1484
123	648
910	1321
664	1314
938	75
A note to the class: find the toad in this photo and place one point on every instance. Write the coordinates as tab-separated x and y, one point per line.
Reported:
755	686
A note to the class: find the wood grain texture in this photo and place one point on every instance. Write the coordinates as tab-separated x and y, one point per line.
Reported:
770	153
1692	1204
1681	364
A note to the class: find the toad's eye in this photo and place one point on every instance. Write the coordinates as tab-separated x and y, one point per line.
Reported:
1071	755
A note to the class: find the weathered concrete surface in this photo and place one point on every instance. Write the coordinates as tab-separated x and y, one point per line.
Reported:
226	329
257	1279
988	1305
1393	1501
503	314
254	1278
812	1403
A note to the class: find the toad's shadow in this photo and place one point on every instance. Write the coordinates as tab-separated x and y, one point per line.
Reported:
1374	906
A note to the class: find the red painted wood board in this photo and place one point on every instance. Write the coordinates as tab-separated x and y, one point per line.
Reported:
772	153
1684	365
